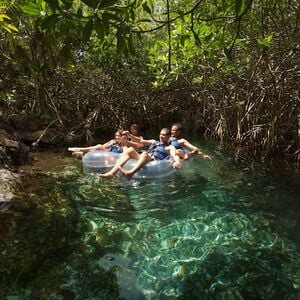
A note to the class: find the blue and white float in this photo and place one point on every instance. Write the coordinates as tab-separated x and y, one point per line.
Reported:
103	161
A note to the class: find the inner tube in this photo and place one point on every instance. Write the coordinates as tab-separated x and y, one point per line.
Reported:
99	161
102	161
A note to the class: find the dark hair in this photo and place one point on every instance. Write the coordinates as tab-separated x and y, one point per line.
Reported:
136	125
120	131
166	130
178	125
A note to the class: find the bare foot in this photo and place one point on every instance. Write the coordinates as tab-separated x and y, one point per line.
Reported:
125	173
106	175
77	154
207	157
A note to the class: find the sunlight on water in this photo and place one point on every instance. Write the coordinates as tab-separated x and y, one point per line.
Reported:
213	230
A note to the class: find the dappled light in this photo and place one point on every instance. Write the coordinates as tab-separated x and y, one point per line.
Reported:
212	229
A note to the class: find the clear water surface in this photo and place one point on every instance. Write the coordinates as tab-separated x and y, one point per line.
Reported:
226	229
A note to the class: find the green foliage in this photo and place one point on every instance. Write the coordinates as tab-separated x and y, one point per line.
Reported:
230	60
266	41
92	3
4	23
241	7
32	9
87	30
6	8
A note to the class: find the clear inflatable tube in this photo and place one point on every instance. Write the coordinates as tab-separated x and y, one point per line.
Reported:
102	161
99	161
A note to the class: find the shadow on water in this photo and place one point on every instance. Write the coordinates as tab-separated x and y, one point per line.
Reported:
213	230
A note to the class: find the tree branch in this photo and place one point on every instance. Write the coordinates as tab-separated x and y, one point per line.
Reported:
164	23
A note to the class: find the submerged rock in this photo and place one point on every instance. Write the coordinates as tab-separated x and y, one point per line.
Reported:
13	152
8	184
111	260
125	275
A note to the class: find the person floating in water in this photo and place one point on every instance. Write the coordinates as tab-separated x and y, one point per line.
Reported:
114	145
117	144
134	137
157	150
179	143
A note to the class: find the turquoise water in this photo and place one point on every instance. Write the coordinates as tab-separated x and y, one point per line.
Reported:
226	229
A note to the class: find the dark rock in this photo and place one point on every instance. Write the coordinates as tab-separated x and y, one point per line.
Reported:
12	150
23	122
43	137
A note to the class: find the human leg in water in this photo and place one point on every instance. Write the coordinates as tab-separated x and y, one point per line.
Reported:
78	154
125	156
143	159
182	154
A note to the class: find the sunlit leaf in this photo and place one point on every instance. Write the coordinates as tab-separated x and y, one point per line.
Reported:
204	29
31	8
163	44
9	27
265	41
5	25
12	27
4	16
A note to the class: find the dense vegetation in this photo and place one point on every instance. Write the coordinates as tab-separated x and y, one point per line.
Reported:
228	69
